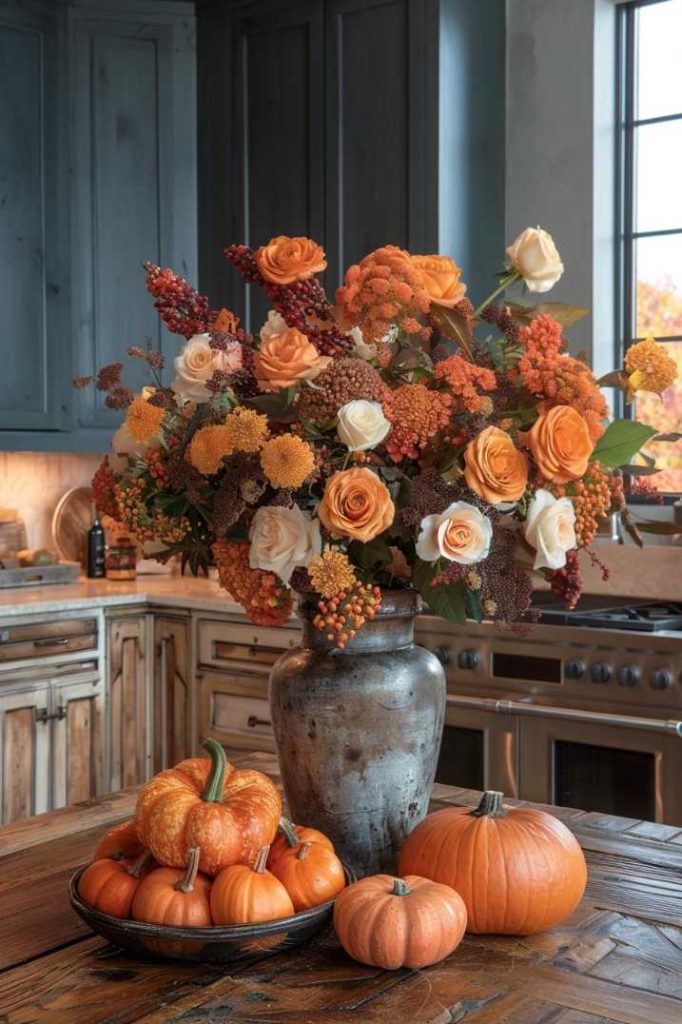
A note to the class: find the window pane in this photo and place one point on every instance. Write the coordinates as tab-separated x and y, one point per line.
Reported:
665	414
659	79
658	270
658	174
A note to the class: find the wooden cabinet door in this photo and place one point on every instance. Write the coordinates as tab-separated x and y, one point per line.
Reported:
77	732
24	750
128	704
234	709
173	711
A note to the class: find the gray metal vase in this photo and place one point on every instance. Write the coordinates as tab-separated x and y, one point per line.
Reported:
358	733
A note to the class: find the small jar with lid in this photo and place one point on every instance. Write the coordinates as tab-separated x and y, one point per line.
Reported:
122	559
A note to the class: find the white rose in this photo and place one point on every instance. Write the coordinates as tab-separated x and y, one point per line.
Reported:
361	349
461	534
283	539
123	445
197	363
273	326
536	258
550	529
362	425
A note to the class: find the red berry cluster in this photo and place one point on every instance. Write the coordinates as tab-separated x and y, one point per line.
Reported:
183	310
567	583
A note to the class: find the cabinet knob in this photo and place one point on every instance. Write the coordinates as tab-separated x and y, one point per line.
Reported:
661	679
574	669
600	672
467	659
629	675
444	654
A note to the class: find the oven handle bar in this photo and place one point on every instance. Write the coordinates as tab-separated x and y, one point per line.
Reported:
512	707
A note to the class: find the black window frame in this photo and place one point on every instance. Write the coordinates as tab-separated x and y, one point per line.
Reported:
626	235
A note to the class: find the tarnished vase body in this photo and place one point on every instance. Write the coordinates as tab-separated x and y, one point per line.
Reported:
358	733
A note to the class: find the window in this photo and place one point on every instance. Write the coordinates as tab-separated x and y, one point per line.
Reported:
650	207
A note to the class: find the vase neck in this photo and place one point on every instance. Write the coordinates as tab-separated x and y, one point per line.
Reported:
391	629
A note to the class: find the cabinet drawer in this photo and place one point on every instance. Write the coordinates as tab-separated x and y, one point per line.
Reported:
222	644
236	719
40	640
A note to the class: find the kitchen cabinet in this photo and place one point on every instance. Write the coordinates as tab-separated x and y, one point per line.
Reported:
172	693
77	739
129	700
24	748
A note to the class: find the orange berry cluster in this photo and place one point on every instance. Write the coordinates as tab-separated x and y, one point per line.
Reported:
266	600
340	617
593	500
158	467
417	415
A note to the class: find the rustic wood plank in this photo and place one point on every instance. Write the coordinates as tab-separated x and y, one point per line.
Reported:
104	812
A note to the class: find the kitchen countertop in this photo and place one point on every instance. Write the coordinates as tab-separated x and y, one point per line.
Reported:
616	960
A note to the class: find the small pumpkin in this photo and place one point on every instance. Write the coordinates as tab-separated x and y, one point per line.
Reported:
519	871
172	896
311	874
290	837
109	884
392	922
229	814
248	895
120	842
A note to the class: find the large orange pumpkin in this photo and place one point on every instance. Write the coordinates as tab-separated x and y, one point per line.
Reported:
109	885
249	895
311	873
399	922
519	871
121	841
229	814
171	896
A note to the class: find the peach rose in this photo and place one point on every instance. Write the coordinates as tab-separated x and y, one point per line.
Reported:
440	277
285	260
285	359
561	444
460	534
356	504
494	467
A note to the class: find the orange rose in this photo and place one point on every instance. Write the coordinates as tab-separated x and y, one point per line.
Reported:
285	359
561	444
356	504
440	277
285	260
494	467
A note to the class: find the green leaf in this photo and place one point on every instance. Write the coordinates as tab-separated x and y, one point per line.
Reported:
278	405
658	526
621	440
446	601
562	312
453	325
369	556
473	605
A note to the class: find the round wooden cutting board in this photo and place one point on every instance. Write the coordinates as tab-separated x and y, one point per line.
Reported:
70	524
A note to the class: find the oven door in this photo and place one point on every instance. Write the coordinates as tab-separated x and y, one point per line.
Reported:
479	749
630	770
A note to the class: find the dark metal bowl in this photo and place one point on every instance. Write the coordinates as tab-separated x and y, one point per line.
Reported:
220	944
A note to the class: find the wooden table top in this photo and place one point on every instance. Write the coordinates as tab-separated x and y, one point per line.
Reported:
617	959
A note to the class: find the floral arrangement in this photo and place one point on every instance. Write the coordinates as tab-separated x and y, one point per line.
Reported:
397	437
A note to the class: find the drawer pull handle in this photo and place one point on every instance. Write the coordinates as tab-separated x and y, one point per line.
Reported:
48	641
253	722
44	716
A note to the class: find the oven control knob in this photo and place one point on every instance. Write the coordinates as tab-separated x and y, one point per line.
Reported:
629	675
467	659
661	679
600	672
444	654
574	669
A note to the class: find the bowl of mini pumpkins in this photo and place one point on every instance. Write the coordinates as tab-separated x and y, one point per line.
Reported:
209	869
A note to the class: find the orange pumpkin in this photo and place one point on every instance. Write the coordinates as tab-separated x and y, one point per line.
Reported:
290	838
121	841
172	896
519	871
228	813
248	895
311	874
394	922
109	885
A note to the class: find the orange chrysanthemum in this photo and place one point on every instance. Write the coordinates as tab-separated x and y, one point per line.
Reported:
331	573
417	415
649	367
287	460
265	599
144	420
384	287
208	448
466	380
245	429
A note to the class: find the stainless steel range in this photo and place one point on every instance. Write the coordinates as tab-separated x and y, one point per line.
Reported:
582	709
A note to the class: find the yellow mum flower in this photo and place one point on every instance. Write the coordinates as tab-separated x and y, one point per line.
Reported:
649	368
144	420
208	448
246	429
331	572
287	460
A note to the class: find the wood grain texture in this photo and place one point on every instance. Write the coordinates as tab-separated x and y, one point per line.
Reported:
616	960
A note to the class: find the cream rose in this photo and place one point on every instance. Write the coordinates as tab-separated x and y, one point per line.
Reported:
536	258
197	363
460	534
283	539
362	425
273	326
123	446
550	529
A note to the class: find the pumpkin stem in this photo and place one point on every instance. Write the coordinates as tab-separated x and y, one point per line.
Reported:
261	860
186	884
213	790
490	806
287	829
303	852
400	888
138	866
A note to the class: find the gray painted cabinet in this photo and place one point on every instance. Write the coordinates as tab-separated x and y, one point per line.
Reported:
97	174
